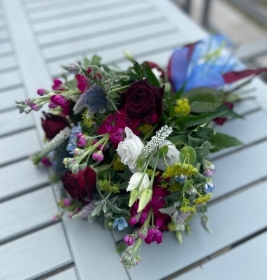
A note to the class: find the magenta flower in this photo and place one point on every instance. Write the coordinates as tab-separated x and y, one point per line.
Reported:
129	239
41	91
66	202
59	100
98	156
153	235
81	142
57	84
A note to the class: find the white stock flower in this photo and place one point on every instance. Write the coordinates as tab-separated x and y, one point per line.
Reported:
130	148
171	157
134	181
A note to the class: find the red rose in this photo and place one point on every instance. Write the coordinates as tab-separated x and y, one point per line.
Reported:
80	186
53	124
143	102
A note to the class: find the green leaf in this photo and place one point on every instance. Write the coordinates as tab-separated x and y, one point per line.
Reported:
106	68
200	119
221	141
203	133
203	151
195	142
121	247
187	185
138	69
204	99
96	60
149	75
179	141
188	155
163	151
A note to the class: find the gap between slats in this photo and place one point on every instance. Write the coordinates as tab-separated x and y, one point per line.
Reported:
216	254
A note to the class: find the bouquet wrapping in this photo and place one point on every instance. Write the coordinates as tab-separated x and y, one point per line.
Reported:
131	147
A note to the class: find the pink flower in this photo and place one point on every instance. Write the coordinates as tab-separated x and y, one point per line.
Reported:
59	100
41	91
81	82
51	105
98	156
81	140
66	202
115	124
153	234
129	239
46	161
57	84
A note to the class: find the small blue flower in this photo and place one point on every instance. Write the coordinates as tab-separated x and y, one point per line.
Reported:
120	223
72	145
208	188
94	99
180	179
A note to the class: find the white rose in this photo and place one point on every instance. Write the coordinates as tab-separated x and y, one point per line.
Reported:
130	148
171	157
134	181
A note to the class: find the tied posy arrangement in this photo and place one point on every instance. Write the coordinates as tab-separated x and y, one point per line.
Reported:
130	147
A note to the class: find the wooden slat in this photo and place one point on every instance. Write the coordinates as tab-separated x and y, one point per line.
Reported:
5	47
26	212
229	223
239	262
245	106
245	130
11	121
113	54
68	274
3	34
14	182
9	79
7	61
240	169
10	96
98	27
106	41
97	246
71	10
18	146
35	253
64	23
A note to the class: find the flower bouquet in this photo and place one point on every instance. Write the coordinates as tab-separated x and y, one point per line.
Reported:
130	147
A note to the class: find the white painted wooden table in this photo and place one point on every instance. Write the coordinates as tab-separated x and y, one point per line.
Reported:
36	37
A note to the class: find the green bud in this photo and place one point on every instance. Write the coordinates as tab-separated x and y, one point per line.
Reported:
188	229
179	236
133	197
145	197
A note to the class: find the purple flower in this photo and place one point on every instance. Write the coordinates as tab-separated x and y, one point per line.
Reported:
98	156
41	91
153	235
120	223
129	239
59	100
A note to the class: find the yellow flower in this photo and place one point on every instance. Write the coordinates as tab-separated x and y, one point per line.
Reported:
202	199
182	107
87	121
175	187
179	169
117	165
144	128
188	209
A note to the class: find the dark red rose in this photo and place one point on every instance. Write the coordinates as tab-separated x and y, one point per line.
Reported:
80	186
153	65
220	120
53	124
143	101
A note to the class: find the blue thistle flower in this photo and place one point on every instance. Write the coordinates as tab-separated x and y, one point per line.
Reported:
94	99
120	223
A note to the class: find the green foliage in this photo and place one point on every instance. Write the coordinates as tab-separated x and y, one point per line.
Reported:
203	151
163	151
149	75
188	155
204	99
221	141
